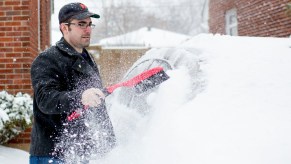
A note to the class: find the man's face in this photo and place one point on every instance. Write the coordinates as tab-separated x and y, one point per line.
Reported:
77	33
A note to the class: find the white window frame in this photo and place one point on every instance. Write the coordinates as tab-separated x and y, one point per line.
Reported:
231	25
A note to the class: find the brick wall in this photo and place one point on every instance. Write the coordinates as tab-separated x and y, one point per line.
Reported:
255	17
19	41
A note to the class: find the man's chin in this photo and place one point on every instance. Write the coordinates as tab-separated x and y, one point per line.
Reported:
86	44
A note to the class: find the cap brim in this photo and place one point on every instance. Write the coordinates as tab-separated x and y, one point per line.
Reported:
85	15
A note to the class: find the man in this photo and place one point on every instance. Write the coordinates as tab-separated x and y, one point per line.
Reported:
65	78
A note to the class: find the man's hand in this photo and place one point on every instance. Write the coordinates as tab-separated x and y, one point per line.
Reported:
92	97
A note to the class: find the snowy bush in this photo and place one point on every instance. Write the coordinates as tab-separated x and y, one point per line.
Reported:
15	114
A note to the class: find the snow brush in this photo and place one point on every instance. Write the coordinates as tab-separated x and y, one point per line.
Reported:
141	83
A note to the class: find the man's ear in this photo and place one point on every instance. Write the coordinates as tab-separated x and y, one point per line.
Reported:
63	27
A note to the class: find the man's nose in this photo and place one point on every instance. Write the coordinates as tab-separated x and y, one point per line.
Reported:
88	29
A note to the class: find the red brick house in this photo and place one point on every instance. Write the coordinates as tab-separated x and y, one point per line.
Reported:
24	32
250	17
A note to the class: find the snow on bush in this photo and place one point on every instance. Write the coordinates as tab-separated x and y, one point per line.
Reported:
15	114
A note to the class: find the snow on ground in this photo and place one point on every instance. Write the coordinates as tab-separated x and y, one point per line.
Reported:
241	116
10	155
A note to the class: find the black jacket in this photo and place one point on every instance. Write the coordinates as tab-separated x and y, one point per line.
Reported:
59	76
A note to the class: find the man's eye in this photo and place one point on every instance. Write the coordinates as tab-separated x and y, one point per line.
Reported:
82	24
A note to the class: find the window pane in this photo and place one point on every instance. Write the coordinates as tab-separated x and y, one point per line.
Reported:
231	22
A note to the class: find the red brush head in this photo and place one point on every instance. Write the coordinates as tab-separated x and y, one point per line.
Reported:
144	77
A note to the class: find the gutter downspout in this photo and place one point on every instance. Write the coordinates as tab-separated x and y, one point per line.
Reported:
204	16
38	25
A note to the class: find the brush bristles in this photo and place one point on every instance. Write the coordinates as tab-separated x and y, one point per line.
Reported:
151	82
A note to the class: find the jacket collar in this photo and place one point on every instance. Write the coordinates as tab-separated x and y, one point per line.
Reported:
63	45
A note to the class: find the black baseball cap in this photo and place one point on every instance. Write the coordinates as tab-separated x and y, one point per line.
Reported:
76	11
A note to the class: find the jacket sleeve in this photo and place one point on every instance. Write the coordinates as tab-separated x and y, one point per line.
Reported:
50	91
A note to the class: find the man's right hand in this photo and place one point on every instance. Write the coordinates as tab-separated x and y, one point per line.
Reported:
92	97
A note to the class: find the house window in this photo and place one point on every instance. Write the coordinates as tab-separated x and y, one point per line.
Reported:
231	22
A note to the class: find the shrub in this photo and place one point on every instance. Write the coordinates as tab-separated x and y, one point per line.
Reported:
15	114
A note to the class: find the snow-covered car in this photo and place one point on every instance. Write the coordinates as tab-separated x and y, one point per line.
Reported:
169	59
